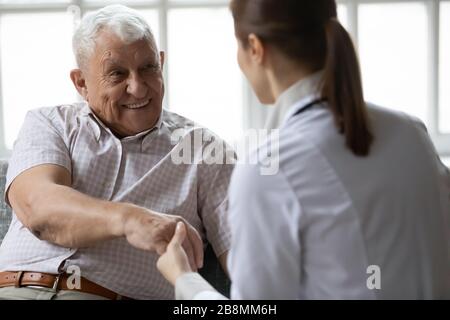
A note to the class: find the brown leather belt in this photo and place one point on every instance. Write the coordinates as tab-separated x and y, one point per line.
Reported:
56	282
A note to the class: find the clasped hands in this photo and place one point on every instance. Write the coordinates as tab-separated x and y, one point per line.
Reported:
177	242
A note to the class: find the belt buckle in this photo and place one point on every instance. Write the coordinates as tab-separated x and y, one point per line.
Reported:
56	282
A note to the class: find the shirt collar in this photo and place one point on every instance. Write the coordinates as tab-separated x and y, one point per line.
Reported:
96	125
304	91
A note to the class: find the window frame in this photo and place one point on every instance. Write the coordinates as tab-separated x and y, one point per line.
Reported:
441	140
253	114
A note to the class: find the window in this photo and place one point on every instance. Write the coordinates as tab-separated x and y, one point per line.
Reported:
34	68
205	83
393	55
343	15
31	2
404	48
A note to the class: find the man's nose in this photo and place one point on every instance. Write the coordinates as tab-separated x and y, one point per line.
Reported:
136	86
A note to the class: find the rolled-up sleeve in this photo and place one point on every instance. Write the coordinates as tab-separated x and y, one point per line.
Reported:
40	141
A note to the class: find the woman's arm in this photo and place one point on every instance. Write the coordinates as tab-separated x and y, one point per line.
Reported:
265	254
174	266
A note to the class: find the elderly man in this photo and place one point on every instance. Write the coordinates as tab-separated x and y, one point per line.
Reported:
93	186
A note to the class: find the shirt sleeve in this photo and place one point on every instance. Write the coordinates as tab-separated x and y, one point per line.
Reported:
265	256
213	197
191	286
39	142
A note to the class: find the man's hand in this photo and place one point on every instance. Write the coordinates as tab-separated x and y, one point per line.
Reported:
153	231
175	262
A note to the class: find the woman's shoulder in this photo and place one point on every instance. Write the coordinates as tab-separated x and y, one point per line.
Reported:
387	116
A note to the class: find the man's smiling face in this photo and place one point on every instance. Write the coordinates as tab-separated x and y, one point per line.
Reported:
124	83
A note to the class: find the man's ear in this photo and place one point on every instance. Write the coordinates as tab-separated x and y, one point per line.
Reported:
77	77
256	47
162	57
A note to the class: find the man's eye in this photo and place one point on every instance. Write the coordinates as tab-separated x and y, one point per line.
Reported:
151	67
116	73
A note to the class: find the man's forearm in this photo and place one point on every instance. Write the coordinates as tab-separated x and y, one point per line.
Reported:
64	216
45	202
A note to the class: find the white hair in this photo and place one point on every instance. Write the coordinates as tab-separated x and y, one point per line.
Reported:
128	24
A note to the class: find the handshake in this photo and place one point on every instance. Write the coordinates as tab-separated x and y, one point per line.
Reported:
177	242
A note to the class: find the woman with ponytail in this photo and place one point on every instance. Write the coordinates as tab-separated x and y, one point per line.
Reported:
360	205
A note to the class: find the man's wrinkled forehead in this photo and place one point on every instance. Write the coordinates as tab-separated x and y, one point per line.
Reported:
112	57
110	48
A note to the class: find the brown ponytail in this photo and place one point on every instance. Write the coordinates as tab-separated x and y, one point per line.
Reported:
343	89
308	31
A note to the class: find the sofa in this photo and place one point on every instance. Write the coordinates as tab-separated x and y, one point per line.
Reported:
5	210
211	271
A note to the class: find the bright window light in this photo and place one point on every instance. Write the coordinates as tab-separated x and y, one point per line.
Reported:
343	15
102	3
393	43
446	161
152	18
36	59
204	80
33	1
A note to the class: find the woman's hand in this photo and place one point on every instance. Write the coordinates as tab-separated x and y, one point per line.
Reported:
174	262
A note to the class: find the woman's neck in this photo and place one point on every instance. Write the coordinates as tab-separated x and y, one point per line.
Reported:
282	73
